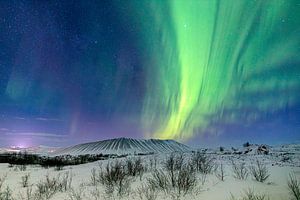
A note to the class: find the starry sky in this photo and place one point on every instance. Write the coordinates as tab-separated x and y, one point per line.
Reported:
201	72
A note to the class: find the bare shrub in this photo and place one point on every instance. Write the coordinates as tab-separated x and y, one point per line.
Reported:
179	161
250	195
203	178
29	195
20	168
65	181
47	188
58	167
294	187
123	187
153	163
174	162
94	177
115	178
220	172
259	171
25	180
186	181
203	163
173	165
146	192
96	194
182	181
239	170
130	167
135	167
2	180
159	180
6	194
112	173
170	166
76	194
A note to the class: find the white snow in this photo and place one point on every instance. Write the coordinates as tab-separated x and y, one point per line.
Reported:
213	189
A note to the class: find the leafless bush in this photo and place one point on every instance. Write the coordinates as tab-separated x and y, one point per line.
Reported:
146	192
159	180
58	167
294	187
65	181
2	180
169	164
123	187
94	177
203	178
259	171
220	172
203	163
179	161
186	181
153	163
239	170
250	195
174	162
47	188
130	167
29	195
96	193
112	174
20	167
109	189
25	180
182	181
6	194
115	178
76	194
135	167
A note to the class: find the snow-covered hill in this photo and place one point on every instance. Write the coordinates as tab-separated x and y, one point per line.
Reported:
125	146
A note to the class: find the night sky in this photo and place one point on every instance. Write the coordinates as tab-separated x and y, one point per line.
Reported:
201	72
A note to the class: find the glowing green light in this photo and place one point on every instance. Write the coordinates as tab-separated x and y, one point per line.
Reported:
219	55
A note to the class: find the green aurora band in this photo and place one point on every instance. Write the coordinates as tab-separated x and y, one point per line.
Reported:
216	61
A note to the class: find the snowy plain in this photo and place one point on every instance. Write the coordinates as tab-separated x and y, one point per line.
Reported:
280	162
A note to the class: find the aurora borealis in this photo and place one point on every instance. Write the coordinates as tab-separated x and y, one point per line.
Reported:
194	71
224	56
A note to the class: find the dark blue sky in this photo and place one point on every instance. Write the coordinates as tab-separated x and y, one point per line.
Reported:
72	61
76	71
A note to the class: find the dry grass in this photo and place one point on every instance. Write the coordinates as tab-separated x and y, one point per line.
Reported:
294	187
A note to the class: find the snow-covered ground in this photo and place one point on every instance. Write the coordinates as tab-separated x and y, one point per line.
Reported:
281	162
